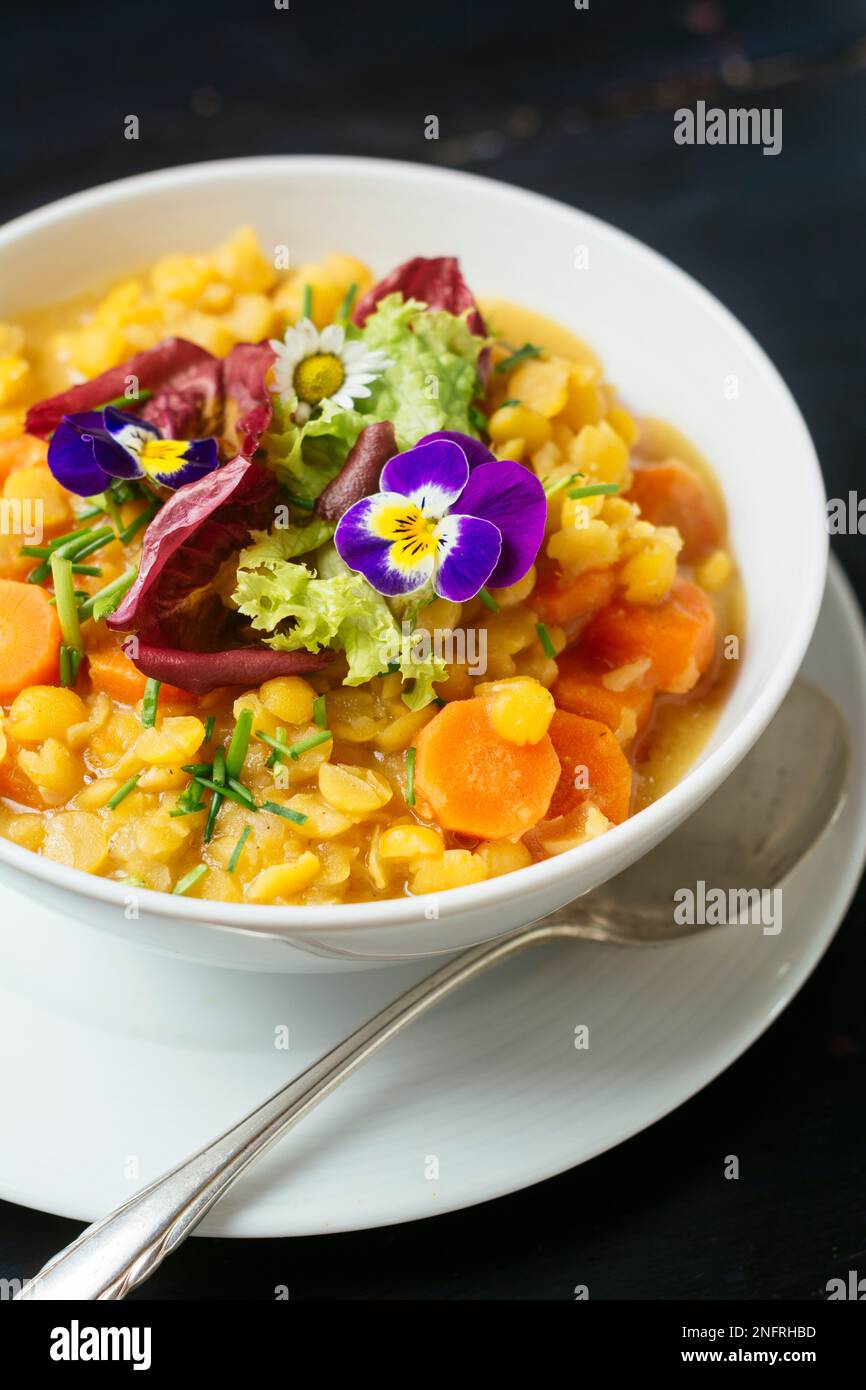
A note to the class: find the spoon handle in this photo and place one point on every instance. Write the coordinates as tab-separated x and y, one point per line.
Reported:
123	1249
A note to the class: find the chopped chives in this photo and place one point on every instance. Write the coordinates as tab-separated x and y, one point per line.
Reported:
238	849
213	811
80	549
67	608
307	303
226	789
209	727
320	714
595	490
217	787
190	880
189	800
123	792
241	790
275	743
276	756
112	511
107	599
145	488
79	595
506	404
195	769
305	744
128	490
240	742
94	570
150	703
347	304
488	600
69	660
43	552
69	550
410	776
144	518
294	750
285	811
83	532
188	808
551	489
544	638
520	355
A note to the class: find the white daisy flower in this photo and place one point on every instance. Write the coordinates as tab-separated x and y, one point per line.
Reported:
313	367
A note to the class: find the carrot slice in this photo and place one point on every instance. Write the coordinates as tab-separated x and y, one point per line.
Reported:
561	602
29	638
16	785
672	494
678	635
594	768
475	781
580	690
112	672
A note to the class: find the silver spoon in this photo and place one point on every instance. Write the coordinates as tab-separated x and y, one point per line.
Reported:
752	833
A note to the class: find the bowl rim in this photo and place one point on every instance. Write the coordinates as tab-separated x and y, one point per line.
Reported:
673	806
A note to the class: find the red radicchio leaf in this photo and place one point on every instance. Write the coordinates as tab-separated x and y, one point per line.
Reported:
172	366
184	546
246	393
359	475
200	672
189	407
194	393
436	281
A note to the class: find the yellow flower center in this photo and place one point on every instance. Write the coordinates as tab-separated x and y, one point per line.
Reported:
411	533
163	455
317	377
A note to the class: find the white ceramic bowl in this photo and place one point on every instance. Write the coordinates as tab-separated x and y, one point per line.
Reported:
671	348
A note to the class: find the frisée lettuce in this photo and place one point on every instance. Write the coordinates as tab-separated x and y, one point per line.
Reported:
294	606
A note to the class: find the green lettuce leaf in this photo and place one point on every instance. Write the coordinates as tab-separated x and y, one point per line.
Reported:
306	457
295	540
333	607
434	371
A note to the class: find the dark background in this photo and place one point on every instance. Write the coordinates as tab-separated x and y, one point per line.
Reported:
577	105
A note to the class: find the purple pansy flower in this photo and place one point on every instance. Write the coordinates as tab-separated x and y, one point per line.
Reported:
87	451
436	521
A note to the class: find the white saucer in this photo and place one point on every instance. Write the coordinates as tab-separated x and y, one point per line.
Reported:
117	1062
